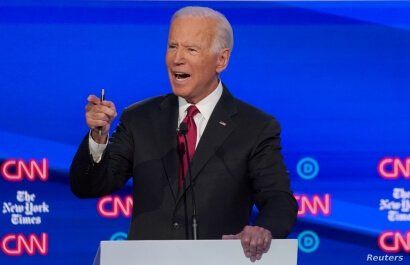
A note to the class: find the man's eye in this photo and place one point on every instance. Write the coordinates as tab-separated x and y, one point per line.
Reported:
171	46
192	50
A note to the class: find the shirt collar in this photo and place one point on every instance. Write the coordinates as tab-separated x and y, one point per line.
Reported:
205	106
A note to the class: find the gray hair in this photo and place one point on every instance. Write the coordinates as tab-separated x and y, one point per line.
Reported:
224	32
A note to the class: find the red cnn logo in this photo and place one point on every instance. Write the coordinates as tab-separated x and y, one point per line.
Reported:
393	168
18	244
394	242
313	205
18	169
112	206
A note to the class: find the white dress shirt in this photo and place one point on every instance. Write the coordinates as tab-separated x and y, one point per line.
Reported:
205	106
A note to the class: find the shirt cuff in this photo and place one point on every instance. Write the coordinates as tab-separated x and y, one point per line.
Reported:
96	149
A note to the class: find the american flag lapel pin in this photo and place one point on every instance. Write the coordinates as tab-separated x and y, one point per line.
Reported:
222	123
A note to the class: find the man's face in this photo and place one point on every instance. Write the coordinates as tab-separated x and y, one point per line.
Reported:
192	65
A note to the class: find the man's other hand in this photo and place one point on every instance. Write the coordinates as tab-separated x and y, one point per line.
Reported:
255	241
99	115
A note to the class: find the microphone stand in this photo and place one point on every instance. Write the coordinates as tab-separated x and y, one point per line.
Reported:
183	128
181	151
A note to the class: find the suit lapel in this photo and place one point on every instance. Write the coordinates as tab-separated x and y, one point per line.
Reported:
218	128
165	131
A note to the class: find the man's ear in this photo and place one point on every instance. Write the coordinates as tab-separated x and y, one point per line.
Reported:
223	60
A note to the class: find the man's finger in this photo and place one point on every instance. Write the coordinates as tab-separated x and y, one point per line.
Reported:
111	113
97	123
259	246
106	110
267	239
97	116
230	237
108	103
93	99
252	248
245	240
267	242
100	116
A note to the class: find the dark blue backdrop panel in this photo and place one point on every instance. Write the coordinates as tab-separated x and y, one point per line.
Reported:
336	76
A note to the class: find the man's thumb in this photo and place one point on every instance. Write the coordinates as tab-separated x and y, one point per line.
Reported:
230	237
93	99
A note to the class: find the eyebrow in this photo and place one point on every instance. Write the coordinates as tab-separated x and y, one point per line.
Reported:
191	46
184	44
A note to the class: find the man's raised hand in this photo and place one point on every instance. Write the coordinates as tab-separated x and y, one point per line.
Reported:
99	115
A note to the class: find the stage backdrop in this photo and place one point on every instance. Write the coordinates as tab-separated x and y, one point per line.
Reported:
336	75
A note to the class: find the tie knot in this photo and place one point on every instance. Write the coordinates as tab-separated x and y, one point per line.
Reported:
192	111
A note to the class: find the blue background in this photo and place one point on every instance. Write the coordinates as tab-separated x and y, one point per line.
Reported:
336	75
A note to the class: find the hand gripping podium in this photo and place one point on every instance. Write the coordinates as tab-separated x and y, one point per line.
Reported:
184	252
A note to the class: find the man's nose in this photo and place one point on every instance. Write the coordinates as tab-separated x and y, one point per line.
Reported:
179	57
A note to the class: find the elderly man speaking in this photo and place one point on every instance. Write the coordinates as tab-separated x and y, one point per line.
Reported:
198	157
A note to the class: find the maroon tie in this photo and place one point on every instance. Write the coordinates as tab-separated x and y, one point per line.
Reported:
191	142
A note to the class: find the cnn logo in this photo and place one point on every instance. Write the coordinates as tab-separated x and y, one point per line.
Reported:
18	169
114	206
313	205
19	244
394	242
393	168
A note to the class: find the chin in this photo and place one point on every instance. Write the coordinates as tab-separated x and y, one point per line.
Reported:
180	91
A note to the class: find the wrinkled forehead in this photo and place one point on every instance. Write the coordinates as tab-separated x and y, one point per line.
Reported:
199	31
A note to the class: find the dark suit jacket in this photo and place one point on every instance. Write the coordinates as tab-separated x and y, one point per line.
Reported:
234	166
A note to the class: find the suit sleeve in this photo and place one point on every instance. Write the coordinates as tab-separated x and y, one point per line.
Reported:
89	179
270	183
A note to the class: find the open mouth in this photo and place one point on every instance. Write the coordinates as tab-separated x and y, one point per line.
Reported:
180	76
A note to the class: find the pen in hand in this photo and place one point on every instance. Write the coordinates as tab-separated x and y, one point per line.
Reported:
101	100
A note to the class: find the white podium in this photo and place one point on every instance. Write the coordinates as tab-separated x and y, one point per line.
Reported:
184	252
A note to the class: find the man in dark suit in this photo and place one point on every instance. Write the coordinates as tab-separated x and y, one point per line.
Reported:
234	149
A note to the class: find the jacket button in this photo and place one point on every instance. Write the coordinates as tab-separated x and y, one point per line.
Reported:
176	225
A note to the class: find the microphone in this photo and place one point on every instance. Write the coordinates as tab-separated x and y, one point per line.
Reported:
182	130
